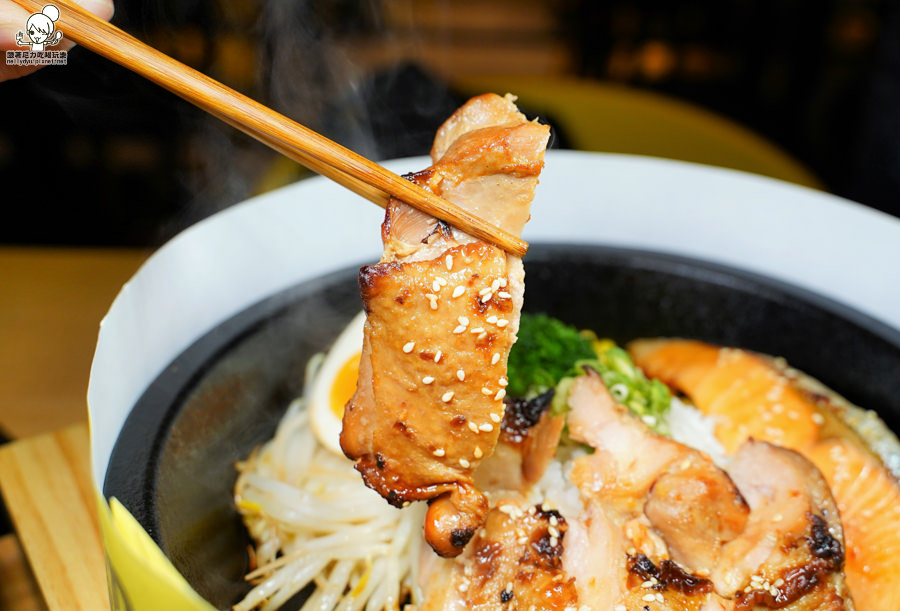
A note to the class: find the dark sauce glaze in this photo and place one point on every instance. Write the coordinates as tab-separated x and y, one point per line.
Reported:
669	575
520	415
827	557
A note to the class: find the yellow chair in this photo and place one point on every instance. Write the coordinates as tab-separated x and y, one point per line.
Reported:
596	116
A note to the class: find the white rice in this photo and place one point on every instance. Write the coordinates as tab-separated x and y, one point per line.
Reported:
690	427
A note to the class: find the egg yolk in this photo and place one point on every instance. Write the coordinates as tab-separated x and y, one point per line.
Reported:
344	385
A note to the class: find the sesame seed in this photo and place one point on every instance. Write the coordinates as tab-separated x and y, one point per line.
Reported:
659	597
647	584
478	330
495	285
503	381
495	358
406	503
465	464
448	261
463	587
500	394
554	532
503	295
522	541
473	427
486	298
437	356
779	582
439	452
496	417
408	347
484	291
554	521
487	427
620	608
482	335
492	319
459	329
427	379
460	375
477	453
463	321
459	290
486	391
502	281
554	541
447	396
648	598
502	323
442	281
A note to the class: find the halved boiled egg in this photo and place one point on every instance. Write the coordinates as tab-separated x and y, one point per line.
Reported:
335	383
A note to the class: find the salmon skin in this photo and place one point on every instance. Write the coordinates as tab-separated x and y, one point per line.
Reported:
442	311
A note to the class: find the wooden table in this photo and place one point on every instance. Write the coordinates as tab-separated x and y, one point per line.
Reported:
46	483
51	304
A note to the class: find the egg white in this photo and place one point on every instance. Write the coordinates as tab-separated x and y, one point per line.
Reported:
325	424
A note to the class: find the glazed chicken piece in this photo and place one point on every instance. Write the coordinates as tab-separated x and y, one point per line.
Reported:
765	534
442	313
514	562
664	510
792	551
667	495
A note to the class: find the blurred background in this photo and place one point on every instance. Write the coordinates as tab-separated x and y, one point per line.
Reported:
93	155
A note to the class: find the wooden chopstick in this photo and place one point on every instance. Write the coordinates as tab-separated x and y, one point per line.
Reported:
293	140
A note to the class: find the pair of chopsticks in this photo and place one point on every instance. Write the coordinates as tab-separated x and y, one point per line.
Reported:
289	138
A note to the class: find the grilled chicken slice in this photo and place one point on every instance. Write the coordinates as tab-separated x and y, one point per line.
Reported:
645	479
442	313
792	551
514	562
663	510
766	534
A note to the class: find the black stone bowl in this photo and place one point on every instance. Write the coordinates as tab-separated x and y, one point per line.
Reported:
173	463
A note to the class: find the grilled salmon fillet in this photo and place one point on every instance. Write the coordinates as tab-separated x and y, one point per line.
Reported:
442	312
